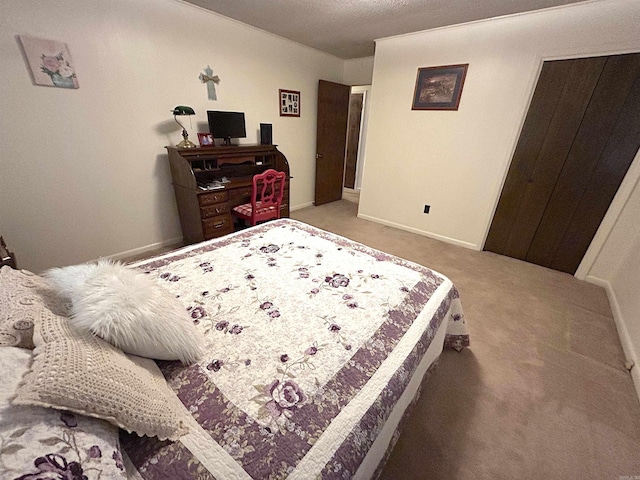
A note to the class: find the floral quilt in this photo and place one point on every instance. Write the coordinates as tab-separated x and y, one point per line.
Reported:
312	338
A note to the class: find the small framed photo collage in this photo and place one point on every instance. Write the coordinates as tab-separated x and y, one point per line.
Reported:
289	103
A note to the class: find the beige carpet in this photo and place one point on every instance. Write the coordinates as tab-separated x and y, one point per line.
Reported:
542	393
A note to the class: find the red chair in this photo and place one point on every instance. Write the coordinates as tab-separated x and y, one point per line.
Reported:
266	198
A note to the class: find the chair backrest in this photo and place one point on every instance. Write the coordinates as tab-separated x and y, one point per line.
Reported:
268	190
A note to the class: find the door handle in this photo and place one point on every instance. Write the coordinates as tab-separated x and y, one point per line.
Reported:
319	155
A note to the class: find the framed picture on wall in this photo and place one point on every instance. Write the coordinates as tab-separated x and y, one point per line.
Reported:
49	62
439	88
289	103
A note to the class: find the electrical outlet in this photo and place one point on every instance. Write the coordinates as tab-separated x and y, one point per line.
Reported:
427	208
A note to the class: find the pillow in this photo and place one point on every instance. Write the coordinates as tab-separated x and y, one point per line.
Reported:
65	280
36	440
20	301
128	309
84	374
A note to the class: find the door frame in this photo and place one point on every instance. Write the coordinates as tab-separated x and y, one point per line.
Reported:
624	191
362	141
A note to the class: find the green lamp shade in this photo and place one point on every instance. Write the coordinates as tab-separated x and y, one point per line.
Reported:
183	110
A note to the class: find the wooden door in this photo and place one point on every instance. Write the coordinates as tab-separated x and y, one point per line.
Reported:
333	108
353	139
580	136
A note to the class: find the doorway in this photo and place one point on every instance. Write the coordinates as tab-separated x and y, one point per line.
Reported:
356	104
579	138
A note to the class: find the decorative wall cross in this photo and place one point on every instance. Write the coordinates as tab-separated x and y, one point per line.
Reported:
211	81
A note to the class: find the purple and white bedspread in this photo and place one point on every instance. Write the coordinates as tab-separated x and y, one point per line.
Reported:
313	342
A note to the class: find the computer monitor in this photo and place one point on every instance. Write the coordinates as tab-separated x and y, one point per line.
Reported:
226	125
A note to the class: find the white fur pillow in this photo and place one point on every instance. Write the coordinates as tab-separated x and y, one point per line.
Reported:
129	310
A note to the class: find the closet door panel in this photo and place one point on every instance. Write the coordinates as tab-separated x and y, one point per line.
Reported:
578	175
613	164
543	104
544	164
563	128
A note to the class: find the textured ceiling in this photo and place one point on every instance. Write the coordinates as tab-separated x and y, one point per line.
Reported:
348	28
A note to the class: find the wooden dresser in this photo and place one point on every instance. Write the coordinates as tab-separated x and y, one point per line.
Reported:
205	212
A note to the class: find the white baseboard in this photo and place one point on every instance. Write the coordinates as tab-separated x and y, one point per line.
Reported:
424	233
625	339
300	207
146	248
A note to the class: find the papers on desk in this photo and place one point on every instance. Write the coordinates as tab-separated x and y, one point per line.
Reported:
211	186
214	185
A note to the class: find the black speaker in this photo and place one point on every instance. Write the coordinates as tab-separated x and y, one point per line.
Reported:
265	134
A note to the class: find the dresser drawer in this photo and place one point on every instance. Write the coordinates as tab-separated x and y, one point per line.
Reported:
217	226
211	198
213	210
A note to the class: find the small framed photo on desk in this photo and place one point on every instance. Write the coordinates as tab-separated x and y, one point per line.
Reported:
206	139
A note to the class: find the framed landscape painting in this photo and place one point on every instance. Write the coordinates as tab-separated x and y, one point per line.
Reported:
439	88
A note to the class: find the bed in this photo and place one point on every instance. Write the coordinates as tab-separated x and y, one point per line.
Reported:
315	348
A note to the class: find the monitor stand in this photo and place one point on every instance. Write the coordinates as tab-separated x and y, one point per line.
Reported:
227	142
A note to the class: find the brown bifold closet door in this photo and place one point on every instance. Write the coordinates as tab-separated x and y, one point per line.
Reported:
579	138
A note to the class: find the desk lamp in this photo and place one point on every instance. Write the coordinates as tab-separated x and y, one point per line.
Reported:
182	110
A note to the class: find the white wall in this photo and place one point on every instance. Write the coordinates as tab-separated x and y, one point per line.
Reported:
617	268
624	295
456	161
84	173
358	71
